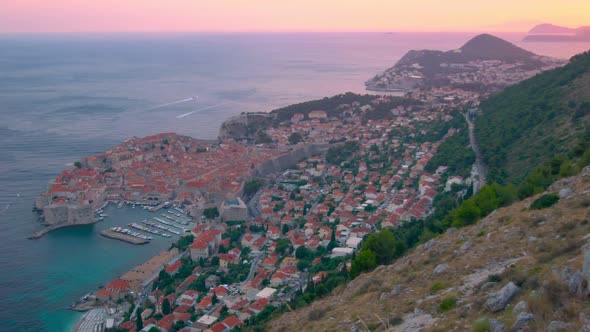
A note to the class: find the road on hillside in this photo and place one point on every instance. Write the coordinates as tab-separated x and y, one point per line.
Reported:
479	164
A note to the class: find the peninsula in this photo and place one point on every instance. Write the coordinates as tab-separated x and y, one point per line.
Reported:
485	63
158	170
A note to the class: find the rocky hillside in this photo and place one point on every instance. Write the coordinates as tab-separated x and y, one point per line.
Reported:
518	269
244	127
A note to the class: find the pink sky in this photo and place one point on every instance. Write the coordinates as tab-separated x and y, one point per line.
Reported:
287	15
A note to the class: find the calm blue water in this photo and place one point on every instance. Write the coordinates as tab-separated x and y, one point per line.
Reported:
64	97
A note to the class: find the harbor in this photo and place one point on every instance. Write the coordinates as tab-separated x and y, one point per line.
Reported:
173	222
123	237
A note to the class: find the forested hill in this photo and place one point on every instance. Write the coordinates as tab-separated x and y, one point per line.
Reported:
536	120
488	47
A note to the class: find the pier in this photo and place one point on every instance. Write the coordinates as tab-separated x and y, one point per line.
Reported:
123	237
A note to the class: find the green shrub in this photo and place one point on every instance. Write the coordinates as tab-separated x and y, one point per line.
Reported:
437	286
545	201
482	325
448	303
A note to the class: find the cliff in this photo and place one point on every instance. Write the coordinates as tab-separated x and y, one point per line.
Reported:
519	269
244	127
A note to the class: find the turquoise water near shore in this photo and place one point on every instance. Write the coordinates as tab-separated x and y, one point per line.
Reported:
63	97
75	272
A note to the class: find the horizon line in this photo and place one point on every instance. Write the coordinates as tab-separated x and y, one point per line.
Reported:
64	32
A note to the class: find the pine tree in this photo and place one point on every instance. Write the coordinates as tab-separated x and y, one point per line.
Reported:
138	320
166	307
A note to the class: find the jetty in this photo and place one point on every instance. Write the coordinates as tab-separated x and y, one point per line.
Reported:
41	233
123	237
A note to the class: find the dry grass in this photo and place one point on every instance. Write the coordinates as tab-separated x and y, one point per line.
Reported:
559	231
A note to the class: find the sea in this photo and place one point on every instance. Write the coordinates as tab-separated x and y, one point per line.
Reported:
66	96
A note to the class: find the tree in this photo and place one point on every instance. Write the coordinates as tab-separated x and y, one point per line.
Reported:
214	299
282	245
252	186
365	261
295	138
166	306
78	164
285	229
138	320
332	244
467	214
215	261
302	253
486	200
383	245
211	213
178	325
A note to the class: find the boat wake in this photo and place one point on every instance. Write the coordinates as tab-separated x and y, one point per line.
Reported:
173	103
204	108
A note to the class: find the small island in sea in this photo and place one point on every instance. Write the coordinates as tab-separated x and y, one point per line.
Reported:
553	33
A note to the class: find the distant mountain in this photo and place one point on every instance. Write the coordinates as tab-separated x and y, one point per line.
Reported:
471	65
488	47
480	47
550	29
554	33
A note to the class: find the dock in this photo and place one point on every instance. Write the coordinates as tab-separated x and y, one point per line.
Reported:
123	237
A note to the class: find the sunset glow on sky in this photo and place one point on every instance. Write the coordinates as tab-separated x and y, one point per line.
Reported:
294	15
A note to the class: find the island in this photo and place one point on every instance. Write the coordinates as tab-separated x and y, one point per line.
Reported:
553	33
485	63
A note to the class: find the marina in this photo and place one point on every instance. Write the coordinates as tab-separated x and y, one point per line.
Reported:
155	224
174	221
123	237
147	229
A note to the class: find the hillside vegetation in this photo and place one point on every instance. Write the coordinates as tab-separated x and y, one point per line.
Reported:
532	122
481	255
517	267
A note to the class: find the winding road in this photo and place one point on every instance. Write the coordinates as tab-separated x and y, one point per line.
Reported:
480	167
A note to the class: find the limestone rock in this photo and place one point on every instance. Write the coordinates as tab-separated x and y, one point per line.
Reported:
566	193
498	300
576	284
414	322
522	321
440	268
558	326
586	267
397	290
496	326
487	286
520	307
585	320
